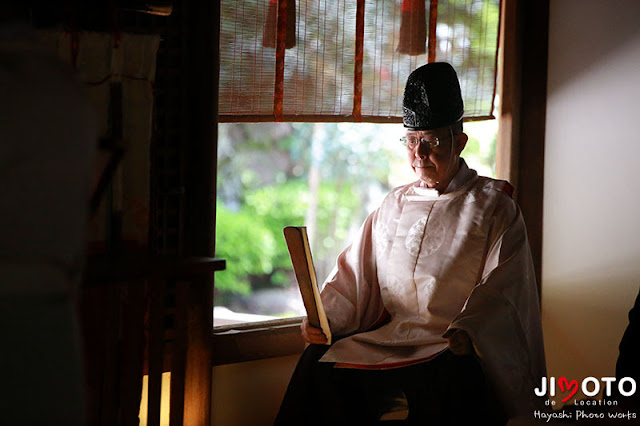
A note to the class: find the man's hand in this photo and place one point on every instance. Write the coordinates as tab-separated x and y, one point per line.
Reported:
460	343
312	334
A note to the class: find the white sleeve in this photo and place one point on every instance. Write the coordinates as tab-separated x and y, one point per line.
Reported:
351	295
502	314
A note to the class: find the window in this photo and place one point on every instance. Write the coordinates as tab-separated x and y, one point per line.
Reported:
326	176
343	63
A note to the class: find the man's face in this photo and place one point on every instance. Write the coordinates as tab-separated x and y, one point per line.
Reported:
435	159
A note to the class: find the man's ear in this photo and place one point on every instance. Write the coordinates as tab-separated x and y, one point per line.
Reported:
460	141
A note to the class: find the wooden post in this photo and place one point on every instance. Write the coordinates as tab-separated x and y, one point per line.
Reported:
523	96
532	124
510	84
201	27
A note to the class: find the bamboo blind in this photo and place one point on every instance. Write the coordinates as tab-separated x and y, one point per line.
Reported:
348	60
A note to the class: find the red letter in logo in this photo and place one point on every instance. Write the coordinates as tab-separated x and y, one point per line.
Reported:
562	382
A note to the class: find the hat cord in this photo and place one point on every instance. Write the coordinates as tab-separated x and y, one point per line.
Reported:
450	162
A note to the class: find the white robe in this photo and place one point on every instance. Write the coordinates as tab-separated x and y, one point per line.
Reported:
426	263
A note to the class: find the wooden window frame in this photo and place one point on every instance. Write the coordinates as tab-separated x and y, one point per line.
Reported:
519	159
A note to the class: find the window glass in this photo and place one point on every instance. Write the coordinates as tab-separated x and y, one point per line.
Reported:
326	176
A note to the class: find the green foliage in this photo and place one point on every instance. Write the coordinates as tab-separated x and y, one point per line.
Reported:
246	244
251	239
482	156
277	206
480	151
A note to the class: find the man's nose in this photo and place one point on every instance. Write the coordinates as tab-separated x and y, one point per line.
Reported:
423	150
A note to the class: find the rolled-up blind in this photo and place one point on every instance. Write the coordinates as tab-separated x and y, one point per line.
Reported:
348	60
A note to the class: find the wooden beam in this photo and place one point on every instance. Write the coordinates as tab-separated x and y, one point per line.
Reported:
252	341
509	91
156	350
532	123
523	95
201	28
179	355
247	118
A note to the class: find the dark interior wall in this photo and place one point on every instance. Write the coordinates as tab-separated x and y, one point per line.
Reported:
182	184
170	137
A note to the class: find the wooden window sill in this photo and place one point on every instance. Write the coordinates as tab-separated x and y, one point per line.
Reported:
252	341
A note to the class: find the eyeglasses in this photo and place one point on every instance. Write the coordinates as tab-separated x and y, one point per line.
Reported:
411	141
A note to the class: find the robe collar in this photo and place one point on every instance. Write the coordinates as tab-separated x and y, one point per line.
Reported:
457	185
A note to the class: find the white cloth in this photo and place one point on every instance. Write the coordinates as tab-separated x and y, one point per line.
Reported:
434	262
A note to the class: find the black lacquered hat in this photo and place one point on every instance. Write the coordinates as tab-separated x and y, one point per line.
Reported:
432	97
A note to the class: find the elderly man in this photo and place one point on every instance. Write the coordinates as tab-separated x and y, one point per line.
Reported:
436	299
